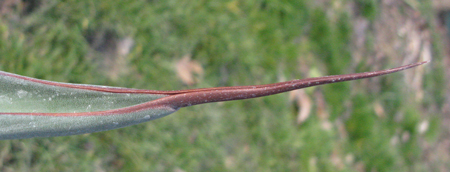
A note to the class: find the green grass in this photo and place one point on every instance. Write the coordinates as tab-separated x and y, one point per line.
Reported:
237	43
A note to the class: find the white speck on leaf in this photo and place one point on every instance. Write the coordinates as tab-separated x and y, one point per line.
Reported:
22	93
5	99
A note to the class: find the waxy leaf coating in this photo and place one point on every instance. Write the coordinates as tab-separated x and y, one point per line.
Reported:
31	107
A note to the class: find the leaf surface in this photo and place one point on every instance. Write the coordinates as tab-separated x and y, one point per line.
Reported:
31	107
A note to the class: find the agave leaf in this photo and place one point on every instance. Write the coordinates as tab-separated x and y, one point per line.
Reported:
18	95
31	107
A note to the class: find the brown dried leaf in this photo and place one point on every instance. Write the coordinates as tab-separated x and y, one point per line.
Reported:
379	110
230	162
342	131
327	125
303	102
186	70
322	112
418	77
178	169
336	159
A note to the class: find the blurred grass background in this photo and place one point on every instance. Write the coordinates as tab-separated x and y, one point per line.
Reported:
390	123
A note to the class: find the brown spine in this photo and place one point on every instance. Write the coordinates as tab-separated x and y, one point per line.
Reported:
201	96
